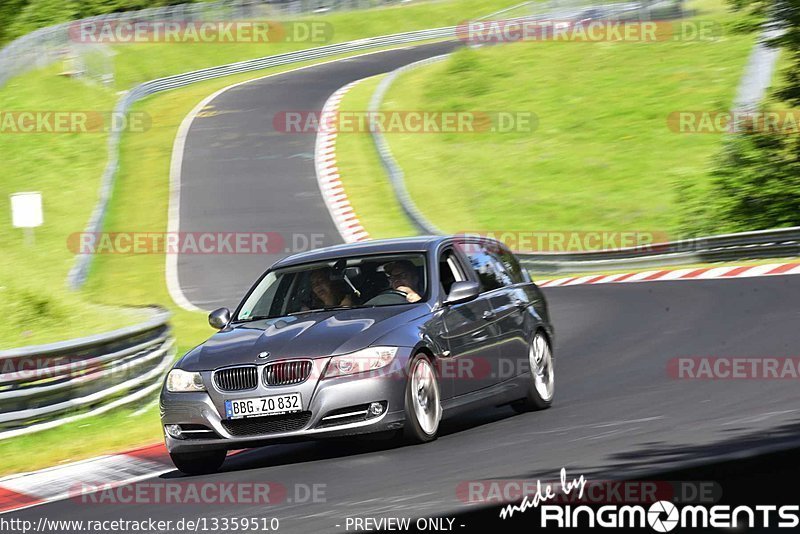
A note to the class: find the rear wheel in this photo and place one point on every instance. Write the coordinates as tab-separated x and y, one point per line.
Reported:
542	379
423	405
198	463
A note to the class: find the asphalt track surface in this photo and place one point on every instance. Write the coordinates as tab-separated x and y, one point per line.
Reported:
617	413
242	175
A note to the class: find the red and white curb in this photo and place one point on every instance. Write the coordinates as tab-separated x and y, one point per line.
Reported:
705	273
69	481
330	184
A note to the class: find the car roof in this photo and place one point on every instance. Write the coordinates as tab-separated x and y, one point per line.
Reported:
375	246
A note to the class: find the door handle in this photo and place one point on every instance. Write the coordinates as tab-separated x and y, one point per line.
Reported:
519	303
480	335
489	315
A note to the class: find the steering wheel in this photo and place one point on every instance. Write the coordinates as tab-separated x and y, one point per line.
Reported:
385	297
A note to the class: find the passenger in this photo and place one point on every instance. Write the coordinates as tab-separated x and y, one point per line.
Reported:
331	293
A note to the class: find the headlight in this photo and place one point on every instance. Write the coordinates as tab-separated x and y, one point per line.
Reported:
361	361
179	381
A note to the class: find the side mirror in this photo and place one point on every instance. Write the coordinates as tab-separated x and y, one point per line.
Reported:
462	292
219	318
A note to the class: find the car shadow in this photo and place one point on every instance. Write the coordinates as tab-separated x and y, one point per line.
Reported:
657	457
327	449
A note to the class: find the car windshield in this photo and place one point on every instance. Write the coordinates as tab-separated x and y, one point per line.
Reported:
342	283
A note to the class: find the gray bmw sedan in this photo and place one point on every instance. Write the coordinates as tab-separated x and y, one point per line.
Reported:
382	336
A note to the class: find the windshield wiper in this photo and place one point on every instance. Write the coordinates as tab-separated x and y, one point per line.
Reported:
256	318
292	314
328	308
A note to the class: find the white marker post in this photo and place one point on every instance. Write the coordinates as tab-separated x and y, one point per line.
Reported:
26	213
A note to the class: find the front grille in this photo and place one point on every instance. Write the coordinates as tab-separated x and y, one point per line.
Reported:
285	373
272	424
236	378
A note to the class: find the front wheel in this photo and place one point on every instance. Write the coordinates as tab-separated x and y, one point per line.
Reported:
423	405
542	380
198	463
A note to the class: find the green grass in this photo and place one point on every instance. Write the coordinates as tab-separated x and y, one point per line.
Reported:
366	185
134	426
139	204
135	63
67	169
602	157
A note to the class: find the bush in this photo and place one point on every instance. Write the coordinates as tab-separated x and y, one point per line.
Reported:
755	186
756	179
25	16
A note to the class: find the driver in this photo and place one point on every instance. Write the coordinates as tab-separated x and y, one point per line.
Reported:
327	291
403	277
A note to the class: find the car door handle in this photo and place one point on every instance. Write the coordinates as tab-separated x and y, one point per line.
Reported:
489	315
519	303
480	335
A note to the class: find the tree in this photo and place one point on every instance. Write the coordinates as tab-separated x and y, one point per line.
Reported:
756	179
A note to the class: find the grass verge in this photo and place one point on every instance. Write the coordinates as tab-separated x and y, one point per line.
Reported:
66	167
602	156
365	181
139	202
135	63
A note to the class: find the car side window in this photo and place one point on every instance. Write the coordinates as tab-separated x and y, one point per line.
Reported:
490	271
449	271
511	264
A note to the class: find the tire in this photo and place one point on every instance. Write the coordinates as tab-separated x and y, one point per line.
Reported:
198	463
423	405
542	376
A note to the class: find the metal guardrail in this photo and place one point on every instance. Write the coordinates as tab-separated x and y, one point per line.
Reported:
47	45
46	386
760	244
77	275
390	165
556	10
776	243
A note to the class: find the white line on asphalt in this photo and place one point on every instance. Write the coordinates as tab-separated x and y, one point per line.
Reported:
176	164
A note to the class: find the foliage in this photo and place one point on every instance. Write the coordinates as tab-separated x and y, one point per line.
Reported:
19	17
756	180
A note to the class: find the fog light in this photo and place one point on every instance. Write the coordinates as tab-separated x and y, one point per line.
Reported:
375	409
174	430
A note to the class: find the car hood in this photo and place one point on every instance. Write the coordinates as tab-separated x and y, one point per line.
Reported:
311	335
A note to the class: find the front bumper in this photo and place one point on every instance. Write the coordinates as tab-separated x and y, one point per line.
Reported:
320	398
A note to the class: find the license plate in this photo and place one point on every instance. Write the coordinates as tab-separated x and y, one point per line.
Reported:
273	405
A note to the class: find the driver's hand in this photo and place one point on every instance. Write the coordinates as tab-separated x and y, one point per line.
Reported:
411	295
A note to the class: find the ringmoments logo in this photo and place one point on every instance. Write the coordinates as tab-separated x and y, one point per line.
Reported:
664	516
660	516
